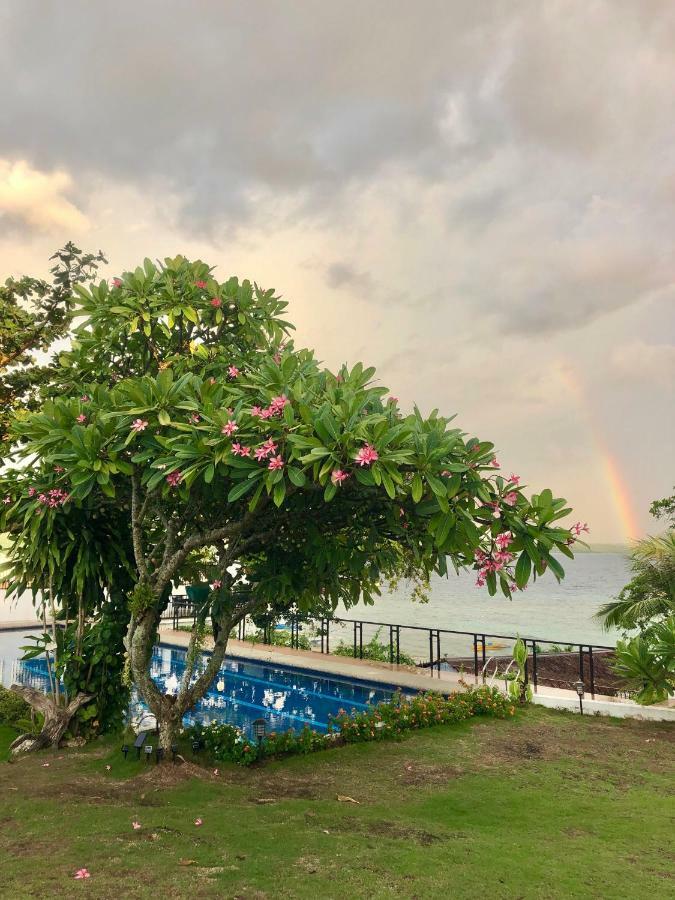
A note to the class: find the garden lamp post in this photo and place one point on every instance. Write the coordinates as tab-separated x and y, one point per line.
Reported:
259	729
579	687
148	752
125	750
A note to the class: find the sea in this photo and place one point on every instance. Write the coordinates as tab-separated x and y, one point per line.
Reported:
548	612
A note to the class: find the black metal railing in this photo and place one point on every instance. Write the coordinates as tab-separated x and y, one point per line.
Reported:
181	610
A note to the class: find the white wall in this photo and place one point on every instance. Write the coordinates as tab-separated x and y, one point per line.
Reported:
16	610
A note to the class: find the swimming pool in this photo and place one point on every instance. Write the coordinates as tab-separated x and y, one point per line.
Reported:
286	698
244	691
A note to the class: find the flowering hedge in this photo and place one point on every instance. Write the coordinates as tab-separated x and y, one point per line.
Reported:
386	720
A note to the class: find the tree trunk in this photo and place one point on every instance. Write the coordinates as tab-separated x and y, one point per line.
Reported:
57	719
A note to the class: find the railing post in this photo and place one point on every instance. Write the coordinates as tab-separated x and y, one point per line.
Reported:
360	640
534	665
581	664
438	651
354	640
327	635
398	645
391	645
431	651
483	650
475	655
592	674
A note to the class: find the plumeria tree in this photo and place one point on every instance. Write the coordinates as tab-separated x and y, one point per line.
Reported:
190	408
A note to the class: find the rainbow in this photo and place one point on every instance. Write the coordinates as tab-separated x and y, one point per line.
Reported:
616	482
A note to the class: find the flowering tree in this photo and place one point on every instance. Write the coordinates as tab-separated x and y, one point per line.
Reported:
307	486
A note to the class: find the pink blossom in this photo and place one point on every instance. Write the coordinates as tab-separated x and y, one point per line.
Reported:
139	425
256	411
269	445
503	540
32	491
81	418
480	581
338	476
366	455
494	462
239	450
135	825
233	371
260	453
266	413
217	583
216	302
277	404
277	358
511	498
59	470
198	822
339	379
229	428
577	528
392	400
82	873
200	284
117	282
85	399
277	462
514	479
174	478
7	499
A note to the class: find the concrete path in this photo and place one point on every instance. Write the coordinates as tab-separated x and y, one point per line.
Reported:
421	679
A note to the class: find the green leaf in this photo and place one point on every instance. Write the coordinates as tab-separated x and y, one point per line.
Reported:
240	489
279	492
523	569
209	472
417	487
164	417
296	476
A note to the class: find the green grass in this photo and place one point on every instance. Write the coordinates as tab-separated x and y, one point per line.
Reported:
547	805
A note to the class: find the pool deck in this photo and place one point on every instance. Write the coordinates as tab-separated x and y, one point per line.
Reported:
444	682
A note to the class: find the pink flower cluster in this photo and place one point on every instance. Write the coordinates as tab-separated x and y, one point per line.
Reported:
229	428
174	478
275	408
117	282
81	418
54	497
277	462
366	455
577	528
265	450
7	499
216	302
139	425
239	450
233	371
200	284
495	561
217	584
338	476
511	498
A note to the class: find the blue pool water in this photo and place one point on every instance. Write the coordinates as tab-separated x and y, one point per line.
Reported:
244	691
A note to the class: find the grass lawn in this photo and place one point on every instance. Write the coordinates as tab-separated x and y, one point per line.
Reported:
545	805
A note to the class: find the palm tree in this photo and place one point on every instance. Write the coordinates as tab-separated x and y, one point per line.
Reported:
649	597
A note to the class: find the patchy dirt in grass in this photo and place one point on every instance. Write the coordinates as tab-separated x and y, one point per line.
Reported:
383	828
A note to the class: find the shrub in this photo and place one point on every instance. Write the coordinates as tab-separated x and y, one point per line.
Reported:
386	720
14	710
375	650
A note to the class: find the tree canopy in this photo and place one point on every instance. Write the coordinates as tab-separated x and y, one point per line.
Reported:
187	404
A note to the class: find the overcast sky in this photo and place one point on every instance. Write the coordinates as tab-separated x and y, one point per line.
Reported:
477	198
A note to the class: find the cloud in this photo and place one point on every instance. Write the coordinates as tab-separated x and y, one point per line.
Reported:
640	361
37	199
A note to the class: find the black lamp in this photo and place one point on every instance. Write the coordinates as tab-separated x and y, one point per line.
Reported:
259	729
125	749
148	752
579	688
